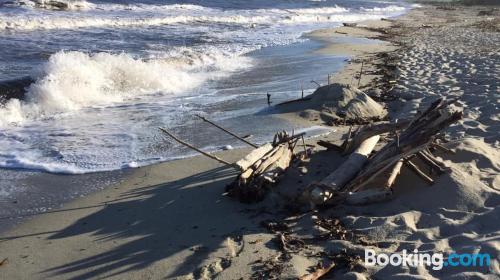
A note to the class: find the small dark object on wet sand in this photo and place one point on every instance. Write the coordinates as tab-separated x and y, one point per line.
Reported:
288	243
275	226
349	24
4	262
334	229
486	13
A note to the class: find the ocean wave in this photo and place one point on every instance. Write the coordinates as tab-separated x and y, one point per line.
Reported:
150	15
391	8
59	5
105	78
33	23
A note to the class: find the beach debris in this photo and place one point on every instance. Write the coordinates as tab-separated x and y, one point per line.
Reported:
344	173
288	243
263	167
330	146
227	131
4	261
349	24
272	268
275	226
367	131
321	270
214	157
331	228
349	183
490	12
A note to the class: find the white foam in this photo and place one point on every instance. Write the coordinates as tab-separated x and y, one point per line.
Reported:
151	15
72	5
391	8
105	78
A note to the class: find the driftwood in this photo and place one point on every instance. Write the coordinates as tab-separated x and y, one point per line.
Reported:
431	161
194	148
367	131
344	173
394	174
227	131
254	156
418	172
319	272
412	141
415	138
368	196
330	146
263	167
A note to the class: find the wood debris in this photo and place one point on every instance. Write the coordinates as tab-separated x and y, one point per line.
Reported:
320	271
263	167
349	182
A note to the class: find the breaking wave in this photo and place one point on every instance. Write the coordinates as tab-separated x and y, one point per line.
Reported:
114	15
59	5
105	78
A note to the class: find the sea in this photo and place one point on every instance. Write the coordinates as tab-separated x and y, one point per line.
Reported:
107	74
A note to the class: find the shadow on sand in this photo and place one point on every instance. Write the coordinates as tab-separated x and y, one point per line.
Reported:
156	222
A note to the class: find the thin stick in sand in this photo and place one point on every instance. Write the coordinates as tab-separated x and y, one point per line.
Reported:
196	149
418	172
227	131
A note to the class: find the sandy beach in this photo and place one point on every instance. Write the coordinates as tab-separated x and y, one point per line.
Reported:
174	220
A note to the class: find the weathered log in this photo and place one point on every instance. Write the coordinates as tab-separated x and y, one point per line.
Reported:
344	173
268	161
265	166
273	172
368	196
254	156
394	174
416	137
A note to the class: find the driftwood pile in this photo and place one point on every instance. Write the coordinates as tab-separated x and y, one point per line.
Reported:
349	183
263	167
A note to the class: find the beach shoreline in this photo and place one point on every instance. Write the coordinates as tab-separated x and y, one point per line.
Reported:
173	220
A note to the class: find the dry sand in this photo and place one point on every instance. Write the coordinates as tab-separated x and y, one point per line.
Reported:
171	220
